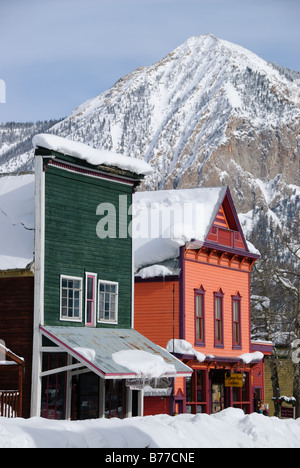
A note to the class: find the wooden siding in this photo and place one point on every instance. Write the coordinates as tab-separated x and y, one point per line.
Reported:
72	246
153	315
213	278
156	405
16	329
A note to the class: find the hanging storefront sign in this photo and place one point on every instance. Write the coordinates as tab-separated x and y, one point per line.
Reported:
234	380
151	387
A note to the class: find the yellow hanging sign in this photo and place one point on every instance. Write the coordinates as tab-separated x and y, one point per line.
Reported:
234	380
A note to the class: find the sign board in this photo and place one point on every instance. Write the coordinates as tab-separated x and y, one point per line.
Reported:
159	387
287	412
234	380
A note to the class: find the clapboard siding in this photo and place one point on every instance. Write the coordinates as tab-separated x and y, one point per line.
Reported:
16	329
72	246
212	279
154	310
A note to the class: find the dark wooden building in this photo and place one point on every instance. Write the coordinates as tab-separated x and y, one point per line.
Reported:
17	282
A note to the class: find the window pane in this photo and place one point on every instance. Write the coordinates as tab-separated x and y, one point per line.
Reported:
235	311
218	308
199	306
189	395
70	298
90	288
107	302
199	329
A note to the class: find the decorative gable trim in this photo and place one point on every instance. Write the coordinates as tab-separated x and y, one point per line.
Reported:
226	229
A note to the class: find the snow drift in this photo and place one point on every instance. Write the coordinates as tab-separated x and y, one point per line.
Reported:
229	429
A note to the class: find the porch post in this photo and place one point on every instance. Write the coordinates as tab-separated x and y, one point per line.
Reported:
38	320
68	389
101	398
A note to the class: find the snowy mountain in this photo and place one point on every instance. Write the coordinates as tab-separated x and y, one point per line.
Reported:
209	113
16	152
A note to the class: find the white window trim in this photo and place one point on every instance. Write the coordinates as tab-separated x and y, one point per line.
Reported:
112	322
71	319
95	312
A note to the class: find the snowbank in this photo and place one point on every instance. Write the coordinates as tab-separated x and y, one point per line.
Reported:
229	429
93	156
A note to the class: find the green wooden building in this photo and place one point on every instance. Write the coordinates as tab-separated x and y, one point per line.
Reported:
84	343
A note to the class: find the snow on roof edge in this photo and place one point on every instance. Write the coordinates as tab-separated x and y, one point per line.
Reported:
93	156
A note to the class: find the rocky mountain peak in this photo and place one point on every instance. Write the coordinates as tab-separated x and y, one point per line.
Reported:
209	113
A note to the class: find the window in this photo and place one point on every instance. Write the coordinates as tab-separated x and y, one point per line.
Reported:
70	298
219	318
90	299
199	316
196	398
236	321
108	302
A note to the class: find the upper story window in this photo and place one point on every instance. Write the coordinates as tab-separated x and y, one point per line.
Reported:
218	306
90	299
236	321
108	302
71	298
199	316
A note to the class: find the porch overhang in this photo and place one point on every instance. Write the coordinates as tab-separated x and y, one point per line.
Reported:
221	361
103	343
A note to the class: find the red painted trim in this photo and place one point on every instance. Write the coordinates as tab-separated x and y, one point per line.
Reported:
218	266
98	174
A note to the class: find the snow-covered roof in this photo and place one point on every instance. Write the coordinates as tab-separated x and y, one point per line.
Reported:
165	220
16	221
114	353
93	156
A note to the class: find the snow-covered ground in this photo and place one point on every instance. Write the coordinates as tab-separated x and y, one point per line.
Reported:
229	429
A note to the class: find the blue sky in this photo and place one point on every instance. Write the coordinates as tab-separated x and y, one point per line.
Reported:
56	54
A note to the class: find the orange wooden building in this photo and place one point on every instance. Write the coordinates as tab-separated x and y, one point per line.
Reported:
192	296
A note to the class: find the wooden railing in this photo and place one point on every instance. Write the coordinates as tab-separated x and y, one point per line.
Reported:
10	403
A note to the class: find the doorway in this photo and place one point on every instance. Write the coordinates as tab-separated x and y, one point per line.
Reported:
219	394
85	396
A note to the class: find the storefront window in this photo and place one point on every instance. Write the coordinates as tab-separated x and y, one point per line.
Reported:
53	387
115	399
85	396
196	392
240	396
